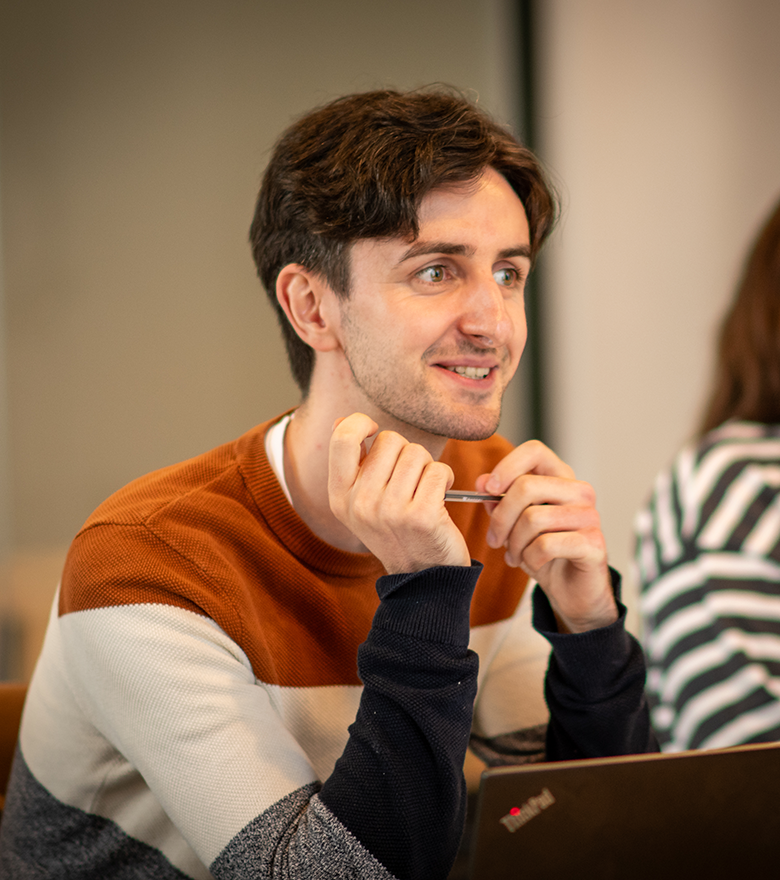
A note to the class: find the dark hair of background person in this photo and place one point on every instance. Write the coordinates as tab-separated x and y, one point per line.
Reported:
359	167
747	372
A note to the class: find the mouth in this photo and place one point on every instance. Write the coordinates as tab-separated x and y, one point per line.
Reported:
471	372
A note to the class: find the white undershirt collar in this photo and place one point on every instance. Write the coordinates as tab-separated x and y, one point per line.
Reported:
274	449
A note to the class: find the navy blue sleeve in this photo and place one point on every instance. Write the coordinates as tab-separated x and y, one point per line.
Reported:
595	688
399	786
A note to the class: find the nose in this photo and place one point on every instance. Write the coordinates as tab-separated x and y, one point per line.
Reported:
486	315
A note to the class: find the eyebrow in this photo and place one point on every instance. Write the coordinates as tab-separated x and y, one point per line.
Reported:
420	248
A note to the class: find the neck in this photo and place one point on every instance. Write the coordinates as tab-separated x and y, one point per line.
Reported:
306	445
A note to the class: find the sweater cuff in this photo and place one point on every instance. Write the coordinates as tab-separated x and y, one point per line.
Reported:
591	658
433	604
544	620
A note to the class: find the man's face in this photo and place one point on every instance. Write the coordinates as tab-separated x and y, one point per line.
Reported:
433	329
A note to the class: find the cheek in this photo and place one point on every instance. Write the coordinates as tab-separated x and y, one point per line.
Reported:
427	326
519	330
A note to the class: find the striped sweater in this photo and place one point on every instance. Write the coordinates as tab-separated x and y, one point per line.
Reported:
708	558
222	694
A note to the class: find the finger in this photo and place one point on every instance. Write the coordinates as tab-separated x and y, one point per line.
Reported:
546	520
435	480
379	466
414	498
346	451
409	467
584	548
373	486
398	474
546	496
531	457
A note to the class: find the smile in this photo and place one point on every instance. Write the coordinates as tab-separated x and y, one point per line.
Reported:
470	372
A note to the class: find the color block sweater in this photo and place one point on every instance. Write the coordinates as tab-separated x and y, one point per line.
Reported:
222	694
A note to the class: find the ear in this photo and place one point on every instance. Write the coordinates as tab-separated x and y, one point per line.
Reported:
310	306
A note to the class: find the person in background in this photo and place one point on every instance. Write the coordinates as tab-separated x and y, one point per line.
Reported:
269	661
708	541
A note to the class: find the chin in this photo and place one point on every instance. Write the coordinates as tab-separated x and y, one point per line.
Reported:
473	433
459	428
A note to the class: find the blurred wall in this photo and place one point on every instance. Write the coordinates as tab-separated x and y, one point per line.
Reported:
134	136
662	122
133	140
5	486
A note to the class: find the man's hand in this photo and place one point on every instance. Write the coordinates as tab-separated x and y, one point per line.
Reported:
392	498
550	528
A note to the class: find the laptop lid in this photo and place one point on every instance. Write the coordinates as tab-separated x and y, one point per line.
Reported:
698	814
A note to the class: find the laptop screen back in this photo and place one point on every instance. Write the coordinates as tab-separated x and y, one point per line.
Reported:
706	814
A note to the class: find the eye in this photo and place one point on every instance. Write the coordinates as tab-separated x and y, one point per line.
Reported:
432	274
507	276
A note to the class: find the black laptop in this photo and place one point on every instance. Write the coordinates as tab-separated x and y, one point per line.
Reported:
705	814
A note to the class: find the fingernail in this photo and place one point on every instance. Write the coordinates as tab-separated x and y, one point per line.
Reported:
491	539
492	485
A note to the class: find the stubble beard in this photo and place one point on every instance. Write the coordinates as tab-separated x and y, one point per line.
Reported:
415	407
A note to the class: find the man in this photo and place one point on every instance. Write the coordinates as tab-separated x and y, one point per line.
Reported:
260	663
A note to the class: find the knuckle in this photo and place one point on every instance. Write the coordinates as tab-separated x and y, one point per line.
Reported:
339	439
392	439
537	516
523	484
595	519
596	539
587	492
499	520
438	468
416	452
543	541
514	548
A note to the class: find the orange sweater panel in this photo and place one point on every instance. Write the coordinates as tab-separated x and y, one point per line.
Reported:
215	535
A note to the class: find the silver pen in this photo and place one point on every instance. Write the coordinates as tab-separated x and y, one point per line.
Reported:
466	495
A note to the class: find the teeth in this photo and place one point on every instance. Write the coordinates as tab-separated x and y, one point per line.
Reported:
470	372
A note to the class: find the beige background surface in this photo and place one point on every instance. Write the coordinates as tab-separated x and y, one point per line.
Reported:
662	122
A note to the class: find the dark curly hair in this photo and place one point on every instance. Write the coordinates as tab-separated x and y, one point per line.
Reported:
359	167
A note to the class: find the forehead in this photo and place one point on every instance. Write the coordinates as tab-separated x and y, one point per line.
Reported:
483	218
487	206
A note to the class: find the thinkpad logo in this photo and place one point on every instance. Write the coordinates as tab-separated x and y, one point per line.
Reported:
518	816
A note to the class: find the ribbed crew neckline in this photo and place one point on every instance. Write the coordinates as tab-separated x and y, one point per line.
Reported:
287	525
